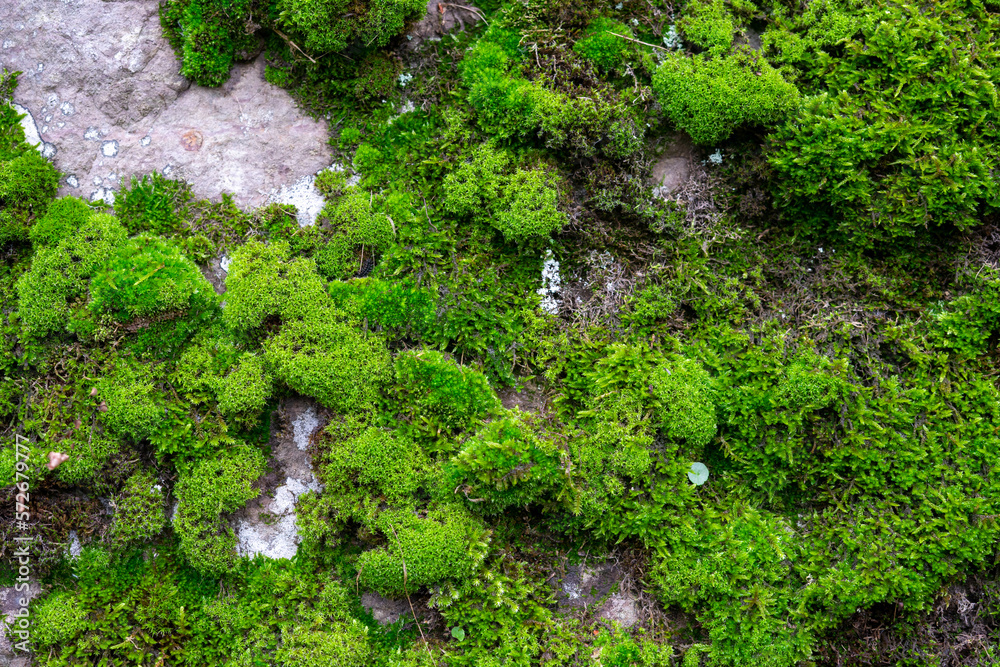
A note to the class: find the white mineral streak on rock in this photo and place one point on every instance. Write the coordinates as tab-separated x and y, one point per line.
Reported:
551	284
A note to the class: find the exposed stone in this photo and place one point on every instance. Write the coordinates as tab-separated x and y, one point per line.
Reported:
673	168
266	525
104	71
10	603
385	610
441	19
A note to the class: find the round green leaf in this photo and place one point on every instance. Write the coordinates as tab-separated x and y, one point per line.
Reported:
698	473
458	633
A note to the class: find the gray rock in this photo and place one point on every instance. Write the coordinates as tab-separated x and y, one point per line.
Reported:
109	78
441	19
673	168
9	605
267	524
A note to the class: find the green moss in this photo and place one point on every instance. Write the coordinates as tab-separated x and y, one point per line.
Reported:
376	80
711	99
209	36
89	453
63	217
263	281
441	396
329	359
58	619
916	157
434	548
148	277
134	405
708	24
153	203
521	205
327	25
337	644
139	510
59	275
601	47
28	183
218	484
684	390
507	464
245	390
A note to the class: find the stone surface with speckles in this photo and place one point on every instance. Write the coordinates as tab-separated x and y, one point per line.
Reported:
104	71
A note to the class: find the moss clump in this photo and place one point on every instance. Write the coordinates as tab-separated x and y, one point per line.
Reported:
244	391
684	390
434	548
139	510
220	483
507	464
263	281
60	275
711	99
134	406
521	205
708	24
330	25
148	277
58	620
209	36
376	77
28	183
63	217
601	47
328	358
441	396
153	203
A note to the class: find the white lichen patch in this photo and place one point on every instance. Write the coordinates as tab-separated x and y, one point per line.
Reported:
224	263
107	195
31	134
109	148
270	529
145	140
551	284
716	157
92	134
303	428
67	108
304	196
47	150
72	181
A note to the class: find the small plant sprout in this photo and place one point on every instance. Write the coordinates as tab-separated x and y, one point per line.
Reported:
698	474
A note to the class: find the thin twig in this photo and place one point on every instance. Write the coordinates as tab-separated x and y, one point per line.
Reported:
468	9
293	44
406	592
638	42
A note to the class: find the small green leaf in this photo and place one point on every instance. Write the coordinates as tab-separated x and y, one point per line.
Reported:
698	473
458	633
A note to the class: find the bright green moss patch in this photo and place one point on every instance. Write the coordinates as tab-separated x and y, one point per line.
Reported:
710	99
148	277
602	45
214	486
139	510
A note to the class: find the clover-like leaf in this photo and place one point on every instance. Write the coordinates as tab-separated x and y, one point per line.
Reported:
698	474
458	633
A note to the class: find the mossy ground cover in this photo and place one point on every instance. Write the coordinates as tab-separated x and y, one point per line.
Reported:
818	327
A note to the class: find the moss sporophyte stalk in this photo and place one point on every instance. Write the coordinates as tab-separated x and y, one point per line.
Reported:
507	401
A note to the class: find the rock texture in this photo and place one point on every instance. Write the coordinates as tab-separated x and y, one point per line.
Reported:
442	18
103	90
673	168
267	524
9	605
